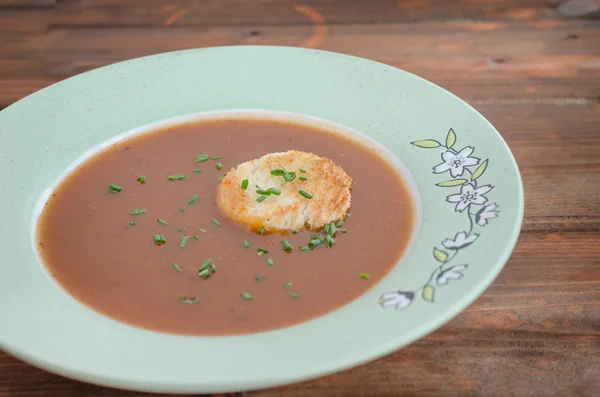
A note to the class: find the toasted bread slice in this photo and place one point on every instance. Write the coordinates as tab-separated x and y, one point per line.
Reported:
326	183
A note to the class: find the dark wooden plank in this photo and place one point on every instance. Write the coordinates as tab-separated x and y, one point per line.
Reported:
284	12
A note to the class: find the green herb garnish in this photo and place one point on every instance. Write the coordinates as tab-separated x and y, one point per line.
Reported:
246	296
207	269
303	178
176	177
180	229
196	170
332	229
216	158
188	299
132	223
245	184
314	242
206	264
329	241
274	190
246	244
286	246
326	229
287	176
181	210
196	238
297	231
141	179
159	239
294	295
216	222
364	275
342	230
288	285
262	231
306	248
183	241
219	166
162	221
302	171
270	262
261	251
114	188
202	230
260	277
264	192
339	224
194	199
261	199
202	157
304	194
177	267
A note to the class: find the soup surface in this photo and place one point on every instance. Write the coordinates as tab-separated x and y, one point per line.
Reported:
101	245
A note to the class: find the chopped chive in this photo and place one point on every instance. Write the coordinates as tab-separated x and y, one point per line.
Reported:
216	222
329	241
202	157
202	230
183	241
216	158
288	285
205	274
197	170
286	246
326	229
304	194
262	231
246	244
277	172
138	211
141	179
260	277
303	178
261	199
342	230
302	171
297	231
196	238
188	299
132	223
270	262
264	192
246	296
332	229
306	248
315	242
194	199
339	224
364	275
206	264
179	229
162	221
294	295
114	188
181	210
274	190
159	239
176	177
177	267
219	166
245	184
261	251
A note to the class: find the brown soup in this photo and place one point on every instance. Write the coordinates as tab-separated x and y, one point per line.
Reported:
107	258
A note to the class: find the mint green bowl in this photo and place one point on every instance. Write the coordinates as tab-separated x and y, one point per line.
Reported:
469	185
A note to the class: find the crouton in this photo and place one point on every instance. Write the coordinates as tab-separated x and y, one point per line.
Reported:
285	191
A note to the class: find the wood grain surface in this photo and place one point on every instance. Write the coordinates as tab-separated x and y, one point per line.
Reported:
531	67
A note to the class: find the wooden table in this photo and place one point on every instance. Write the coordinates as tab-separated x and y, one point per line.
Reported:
531	67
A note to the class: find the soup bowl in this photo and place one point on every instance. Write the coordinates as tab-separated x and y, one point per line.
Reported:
465	184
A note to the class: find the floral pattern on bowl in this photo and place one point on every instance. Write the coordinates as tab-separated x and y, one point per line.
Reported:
458	164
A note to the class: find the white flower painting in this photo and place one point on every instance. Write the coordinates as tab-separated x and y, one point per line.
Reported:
470	202
486	213
456	162
469	195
